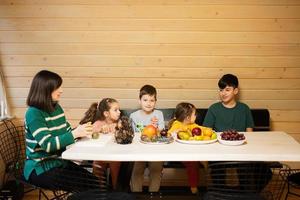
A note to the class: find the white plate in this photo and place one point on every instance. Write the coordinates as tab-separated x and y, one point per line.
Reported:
231	142
196	141
170	140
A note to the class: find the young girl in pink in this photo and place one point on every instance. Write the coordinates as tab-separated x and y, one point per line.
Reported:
184	119
104	117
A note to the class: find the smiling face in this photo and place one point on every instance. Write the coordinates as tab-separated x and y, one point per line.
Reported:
228	95
147	103
56	94
114	112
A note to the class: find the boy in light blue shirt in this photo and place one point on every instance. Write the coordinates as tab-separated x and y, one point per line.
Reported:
141	118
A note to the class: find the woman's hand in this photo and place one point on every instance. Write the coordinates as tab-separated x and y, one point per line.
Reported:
83	130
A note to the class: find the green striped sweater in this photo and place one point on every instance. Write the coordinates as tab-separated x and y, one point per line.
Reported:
47	135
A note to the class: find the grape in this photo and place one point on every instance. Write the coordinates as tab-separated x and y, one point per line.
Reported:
232	135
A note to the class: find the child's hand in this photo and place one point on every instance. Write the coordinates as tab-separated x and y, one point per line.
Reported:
108	128
154	121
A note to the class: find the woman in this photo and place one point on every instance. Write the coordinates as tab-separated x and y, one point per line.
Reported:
48	133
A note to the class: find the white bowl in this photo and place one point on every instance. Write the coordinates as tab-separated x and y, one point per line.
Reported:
231	142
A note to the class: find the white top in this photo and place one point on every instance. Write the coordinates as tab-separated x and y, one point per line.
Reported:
260	146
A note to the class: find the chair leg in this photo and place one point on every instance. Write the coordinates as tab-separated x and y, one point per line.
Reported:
41	192
288	191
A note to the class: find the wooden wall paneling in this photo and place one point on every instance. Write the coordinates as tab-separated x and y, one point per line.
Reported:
152	2
221	52
188	37
280	84
99	60
96	24
151	11
156	72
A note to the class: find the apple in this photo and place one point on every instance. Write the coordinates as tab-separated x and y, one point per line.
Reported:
196	131
164	133
150	131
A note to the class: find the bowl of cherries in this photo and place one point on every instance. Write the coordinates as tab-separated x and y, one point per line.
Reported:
231	137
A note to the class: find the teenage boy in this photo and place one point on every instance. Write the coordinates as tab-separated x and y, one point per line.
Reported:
141	118
229	113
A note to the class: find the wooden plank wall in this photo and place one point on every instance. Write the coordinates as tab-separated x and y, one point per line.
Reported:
111	48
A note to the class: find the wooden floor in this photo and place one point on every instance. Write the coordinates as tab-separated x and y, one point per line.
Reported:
167	196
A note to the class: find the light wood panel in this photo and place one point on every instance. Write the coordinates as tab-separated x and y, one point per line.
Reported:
212	61
161	11
96	24
159	83
280	84
157	72
152	2
244	52
163	37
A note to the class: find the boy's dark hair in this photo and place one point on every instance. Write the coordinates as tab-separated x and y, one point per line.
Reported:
228	80
40	93
148	89
96	111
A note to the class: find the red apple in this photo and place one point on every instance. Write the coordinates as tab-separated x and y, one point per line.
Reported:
196	131
149	131
164	133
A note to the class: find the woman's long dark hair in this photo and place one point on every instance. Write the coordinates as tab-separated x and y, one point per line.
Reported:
42	86
96	112
182	111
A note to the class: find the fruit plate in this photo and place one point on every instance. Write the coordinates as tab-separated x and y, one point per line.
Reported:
166	140
196	141
231	142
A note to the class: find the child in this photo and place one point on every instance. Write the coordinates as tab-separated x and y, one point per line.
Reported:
143	117
104	117
184	119
229	113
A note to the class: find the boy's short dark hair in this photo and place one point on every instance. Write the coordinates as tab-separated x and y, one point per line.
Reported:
228	80
148	89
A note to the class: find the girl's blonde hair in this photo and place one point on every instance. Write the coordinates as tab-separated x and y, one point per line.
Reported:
182	111
96	110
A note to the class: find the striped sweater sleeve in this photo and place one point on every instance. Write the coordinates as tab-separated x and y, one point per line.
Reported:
43	134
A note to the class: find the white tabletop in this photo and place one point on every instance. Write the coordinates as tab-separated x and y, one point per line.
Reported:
260	146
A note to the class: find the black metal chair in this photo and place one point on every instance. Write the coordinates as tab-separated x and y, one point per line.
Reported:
244	180
12	150
292	177
77	179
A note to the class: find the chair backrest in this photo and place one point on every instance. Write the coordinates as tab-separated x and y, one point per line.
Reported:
244	180
12	149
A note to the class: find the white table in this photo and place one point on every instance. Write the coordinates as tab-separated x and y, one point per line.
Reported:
260	146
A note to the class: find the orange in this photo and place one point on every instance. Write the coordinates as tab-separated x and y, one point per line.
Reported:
150	131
